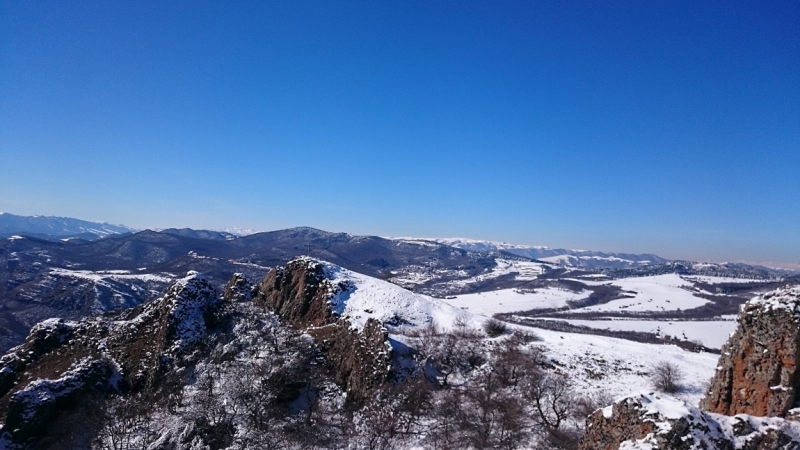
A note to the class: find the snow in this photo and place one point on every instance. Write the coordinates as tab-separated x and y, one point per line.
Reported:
653	293
513	300
720	280
15	238
620	367
704	427
364	297
525	271
100	276
787	299
712	333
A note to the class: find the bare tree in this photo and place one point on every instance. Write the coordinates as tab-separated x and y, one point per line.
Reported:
552	399
667	377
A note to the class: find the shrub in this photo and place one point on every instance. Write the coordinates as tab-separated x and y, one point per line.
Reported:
667	377
494	327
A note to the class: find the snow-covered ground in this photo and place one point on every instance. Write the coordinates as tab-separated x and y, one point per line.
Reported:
511	300
100	276
654	293
595	363
719	280
367	297
712	333
620	367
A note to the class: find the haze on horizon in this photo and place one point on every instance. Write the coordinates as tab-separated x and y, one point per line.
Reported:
667	127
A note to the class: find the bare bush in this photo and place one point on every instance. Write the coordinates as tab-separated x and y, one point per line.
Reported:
667	377
522	337
494	327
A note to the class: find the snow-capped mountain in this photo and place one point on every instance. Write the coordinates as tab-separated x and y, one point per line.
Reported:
51	226
574	258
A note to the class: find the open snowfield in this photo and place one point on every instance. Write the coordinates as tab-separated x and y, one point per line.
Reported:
100	276
654	293
511	300
712	333
619	367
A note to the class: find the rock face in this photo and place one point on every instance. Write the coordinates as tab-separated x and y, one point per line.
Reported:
298	293
238	289
301	294
648	421
60	364
358	361
758	370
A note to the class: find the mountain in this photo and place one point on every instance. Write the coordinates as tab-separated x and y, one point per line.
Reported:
319	356
57	227
560	256
42	278
201	234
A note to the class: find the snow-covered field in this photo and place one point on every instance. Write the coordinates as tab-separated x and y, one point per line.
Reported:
511	300
100	276
620	367
595	363
654	293
712	333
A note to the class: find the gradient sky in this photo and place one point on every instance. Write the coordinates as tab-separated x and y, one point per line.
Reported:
670	127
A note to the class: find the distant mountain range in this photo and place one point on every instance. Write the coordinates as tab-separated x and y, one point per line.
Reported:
49	227
560	256
61	228
60	267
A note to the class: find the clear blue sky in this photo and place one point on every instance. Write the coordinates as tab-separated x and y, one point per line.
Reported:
644	126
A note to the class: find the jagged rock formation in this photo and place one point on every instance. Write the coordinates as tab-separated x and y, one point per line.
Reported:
238	289
302	294
61	360
758	370
648	422
298	293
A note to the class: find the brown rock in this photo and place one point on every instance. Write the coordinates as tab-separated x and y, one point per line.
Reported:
757	372
238	289
300	294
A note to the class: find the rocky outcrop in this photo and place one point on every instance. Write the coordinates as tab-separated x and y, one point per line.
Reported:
649	421
758	369
238	289
60	363
298	293
301	294
31	408
358	361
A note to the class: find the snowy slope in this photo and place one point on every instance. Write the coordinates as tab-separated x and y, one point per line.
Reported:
366	297
596	364
619	367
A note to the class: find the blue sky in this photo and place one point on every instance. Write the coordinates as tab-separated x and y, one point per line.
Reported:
660	126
